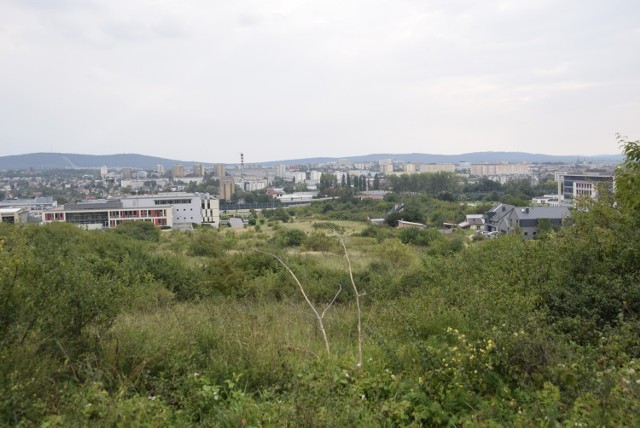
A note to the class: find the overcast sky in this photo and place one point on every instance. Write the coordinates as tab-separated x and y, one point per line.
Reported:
208	79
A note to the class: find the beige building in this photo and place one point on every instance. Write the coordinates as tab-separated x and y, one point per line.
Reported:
409	168
14	215
227	188
486	169
436	167
220	170
177	171
198	170
386	168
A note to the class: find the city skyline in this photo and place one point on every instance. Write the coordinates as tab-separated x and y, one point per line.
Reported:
290	80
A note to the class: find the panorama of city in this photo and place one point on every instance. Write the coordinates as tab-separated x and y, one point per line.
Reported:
218	195
339	292
349	214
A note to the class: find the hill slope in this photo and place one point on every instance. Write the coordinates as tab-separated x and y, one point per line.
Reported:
79	161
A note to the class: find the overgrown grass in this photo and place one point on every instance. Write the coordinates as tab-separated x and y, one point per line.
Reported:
200	328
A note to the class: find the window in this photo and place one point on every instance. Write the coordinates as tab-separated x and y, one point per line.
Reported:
172	201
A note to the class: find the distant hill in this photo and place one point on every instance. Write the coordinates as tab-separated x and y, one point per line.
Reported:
77	161
475	157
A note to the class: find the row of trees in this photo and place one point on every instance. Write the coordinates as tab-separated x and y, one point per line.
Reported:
348	184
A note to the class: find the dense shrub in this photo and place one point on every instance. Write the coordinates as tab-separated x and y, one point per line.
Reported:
290	238
206	242
419	237
141	230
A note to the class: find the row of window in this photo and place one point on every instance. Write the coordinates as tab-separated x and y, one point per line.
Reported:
172	201
137	213
54	216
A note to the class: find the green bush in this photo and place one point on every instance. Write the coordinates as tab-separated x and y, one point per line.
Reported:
141	230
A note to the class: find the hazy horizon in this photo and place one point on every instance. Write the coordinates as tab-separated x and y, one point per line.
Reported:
418	158
292	80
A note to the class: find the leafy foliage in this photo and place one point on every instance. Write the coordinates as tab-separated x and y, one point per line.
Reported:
198	328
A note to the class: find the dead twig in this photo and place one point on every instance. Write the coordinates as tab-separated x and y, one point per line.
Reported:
306	298
329	305
358	295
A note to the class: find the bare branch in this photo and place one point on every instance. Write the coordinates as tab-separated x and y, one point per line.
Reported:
334	299
306	298
358	295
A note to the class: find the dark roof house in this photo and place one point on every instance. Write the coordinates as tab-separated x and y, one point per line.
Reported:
525	220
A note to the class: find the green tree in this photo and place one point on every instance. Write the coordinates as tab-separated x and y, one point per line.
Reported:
140	230
628	176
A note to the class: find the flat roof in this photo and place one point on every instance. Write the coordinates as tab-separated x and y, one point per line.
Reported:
13	210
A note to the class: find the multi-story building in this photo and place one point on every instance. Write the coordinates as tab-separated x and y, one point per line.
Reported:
185	207
437	167
315	175
573	187
298	177
409	168
488	169
386	168
198	170
251	185
210	208
103	214
139	184
176	209
177	171
227	188
220	170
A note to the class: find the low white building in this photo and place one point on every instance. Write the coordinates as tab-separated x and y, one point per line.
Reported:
14	215
179	210
297	196
185	206
104	214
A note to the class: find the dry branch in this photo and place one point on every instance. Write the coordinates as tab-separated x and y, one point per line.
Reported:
306	298
358	295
